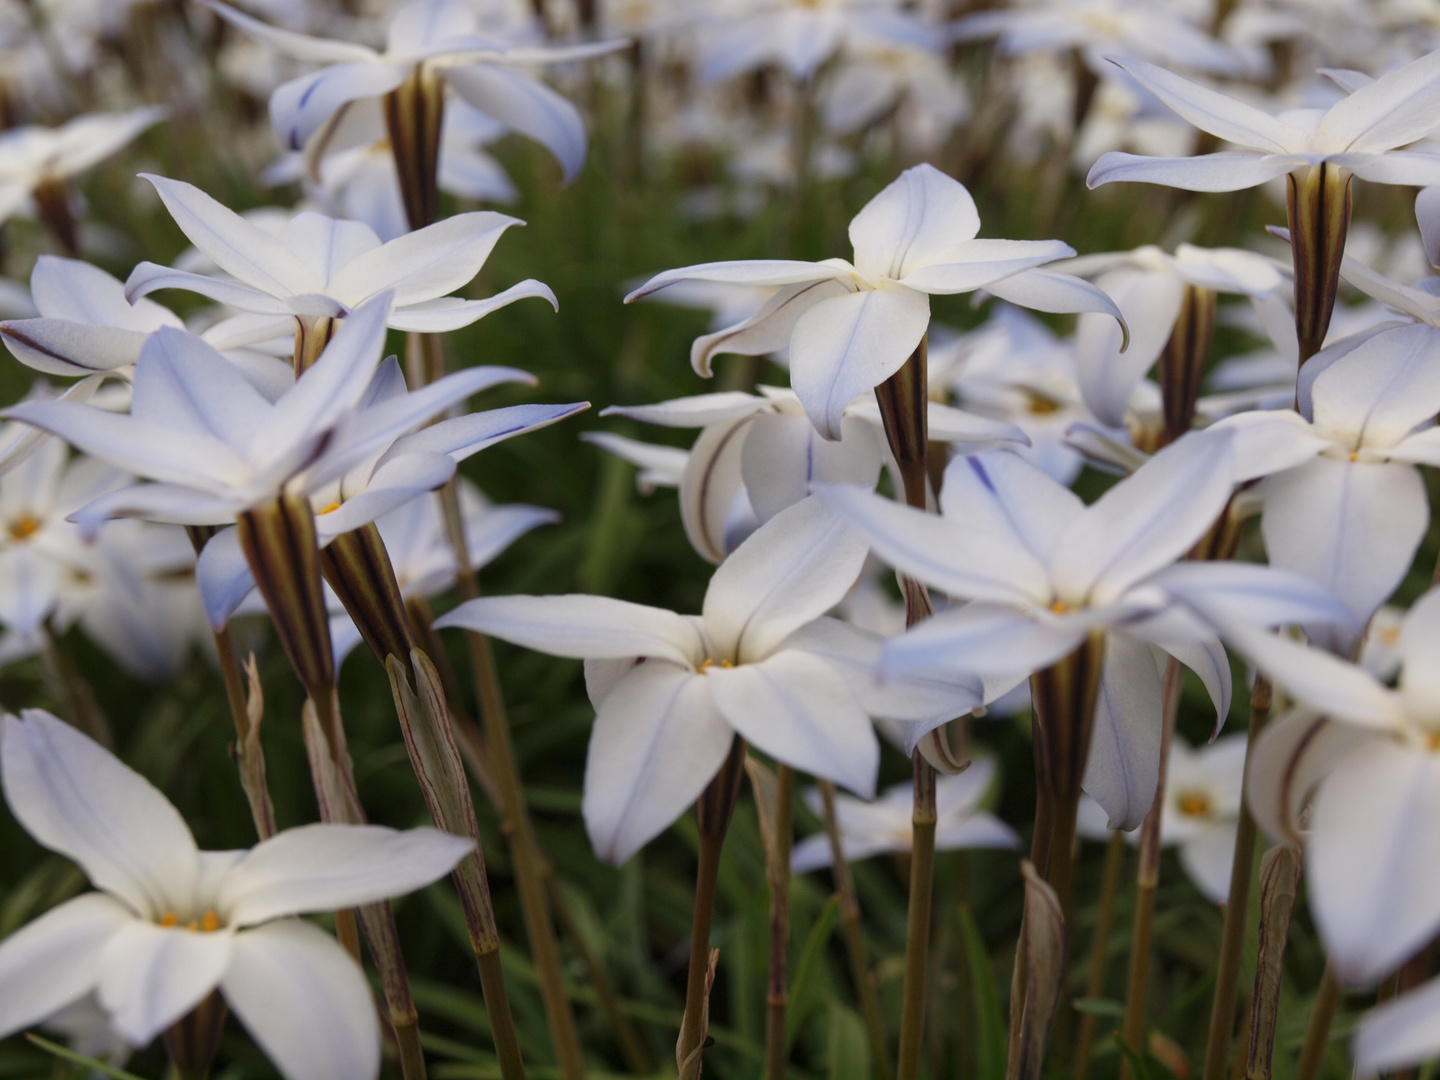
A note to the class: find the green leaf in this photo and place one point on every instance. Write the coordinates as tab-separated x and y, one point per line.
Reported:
847	1047
1099	1007
803	990
990	1036
66	1054
1138	1064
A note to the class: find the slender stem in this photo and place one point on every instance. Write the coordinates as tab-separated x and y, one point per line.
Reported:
412	1057
917	921
1232	936
855	937
1099	949
76	696
502	1023
1147	877
1317	1035
776	1048
712	816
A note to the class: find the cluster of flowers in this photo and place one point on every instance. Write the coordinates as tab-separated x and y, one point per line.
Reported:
265	455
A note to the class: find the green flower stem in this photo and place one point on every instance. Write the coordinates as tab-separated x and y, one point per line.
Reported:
1232	936
917	921
1317	1035
1099	949
776	1047
855	938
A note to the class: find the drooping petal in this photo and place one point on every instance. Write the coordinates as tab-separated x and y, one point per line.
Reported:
300	107
792	569
713	508
986	638
1047	290
1209	858
451	312
1147	520
70	349
912	223
850	344
701	410
1124	765
325	867
1402	1032
1194	646
305	1002
1150	303
581	626
770	328
976	264
76	798
1222	116
941	552
300	46
784	458
1352	526
393	484
223	575
1271	442
1373	858
424	264
524	104
1376	394
746	272
658	741
1205	172
1294	754
50	962
797	708
151	976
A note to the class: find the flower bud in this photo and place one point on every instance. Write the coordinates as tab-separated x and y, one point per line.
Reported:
358	568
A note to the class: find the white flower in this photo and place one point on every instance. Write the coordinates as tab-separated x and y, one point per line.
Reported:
671	692
171	923
872	828
852	326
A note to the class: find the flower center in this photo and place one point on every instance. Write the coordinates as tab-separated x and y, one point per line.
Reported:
24	527
708	664
1195	804
1059	607
330	508
206	924
1041	406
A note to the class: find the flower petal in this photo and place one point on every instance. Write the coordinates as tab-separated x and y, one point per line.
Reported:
1405	1031
1149	301
912	223
784	458
223	574
1124	764
1396	109
1222	116
526	105
300	107
424	264
976	264
305	1002
1205	172
76	798
151	976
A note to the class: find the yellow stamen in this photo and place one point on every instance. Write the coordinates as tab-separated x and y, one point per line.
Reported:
1195	804
210	921
1354	455
332	506
1059	607
1041	406
24	527
1432	741
192	926
169	919
708	664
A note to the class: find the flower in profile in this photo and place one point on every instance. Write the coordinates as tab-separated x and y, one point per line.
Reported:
1320	149
1202	809
850	326
170	924
671	692
873	828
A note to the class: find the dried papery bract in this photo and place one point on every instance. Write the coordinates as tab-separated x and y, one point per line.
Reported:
1279	881
1042	952
1317	204
1183	360
774	796
414	112
193	1041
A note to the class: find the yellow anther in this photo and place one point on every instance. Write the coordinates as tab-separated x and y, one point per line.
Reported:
1059	607
332	506
169	919
210	921
1041	406
1432	741
24	527
1389	635
1354	455
192	926
1195	804
708	664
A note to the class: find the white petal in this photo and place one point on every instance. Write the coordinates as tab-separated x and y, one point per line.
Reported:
660	466
698	411
792	569
501	526
1271	442
424	264
1148	519
1377	393
76	798
300	107
976	264
151	976
300	46
1150	304
1319	679
1294	754
745	272
1005	497
524	104
977	831
1373	858
1047	290
769	329
1223	116
451	313
784	458
463	436
223	575
243	250
712	491
305	1002
1397	108
70	349
584	627
1207	172
1427	216
1405	1031
796	707
658	741
1124	764
1208	860
174	504
847	345
393	484
51	962
325	867
183	385
911	223
1419	636
988	639
942	552
1352	526
1406	168
1230	593
147	277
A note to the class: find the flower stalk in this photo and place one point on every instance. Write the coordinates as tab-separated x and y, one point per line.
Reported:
1317	1034
774	799
1183	360
193	1040
917	921
1099	949
414	111
1279	881
712	816
1232	935
1318	204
